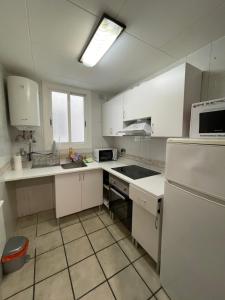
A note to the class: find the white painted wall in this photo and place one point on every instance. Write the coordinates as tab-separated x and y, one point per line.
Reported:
6	191
211	60
97	140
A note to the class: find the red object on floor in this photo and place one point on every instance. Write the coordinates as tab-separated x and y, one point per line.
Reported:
15	255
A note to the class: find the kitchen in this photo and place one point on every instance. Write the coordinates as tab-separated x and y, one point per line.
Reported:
112	164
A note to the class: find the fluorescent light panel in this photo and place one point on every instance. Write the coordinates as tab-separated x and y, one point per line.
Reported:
107	31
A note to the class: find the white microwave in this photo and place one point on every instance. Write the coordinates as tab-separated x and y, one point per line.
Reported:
105	154
208	119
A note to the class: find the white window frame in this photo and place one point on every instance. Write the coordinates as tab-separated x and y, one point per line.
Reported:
47	89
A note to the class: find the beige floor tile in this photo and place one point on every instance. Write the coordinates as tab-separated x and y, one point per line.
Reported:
19	280
72	232
161	295
107	220
48	241
78	250
26	221
69	220
145	268
46	227
93	224
31	248
101	239
25	295
50	263
131	251
127	284
112	260
56	287
29	232
118	231
46	215
86	275
102	292
87	214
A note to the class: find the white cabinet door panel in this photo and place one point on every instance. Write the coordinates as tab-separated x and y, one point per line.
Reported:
92	189
112	116
67	194
144	231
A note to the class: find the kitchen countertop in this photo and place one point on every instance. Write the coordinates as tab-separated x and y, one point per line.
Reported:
153	184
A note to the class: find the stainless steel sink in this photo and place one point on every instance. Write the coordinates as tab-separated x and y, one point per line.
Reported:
74	164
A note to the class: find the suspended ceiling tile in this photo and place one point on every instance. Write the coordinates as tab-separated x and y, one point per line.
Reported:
158	22
60	25
15	50
198	35
99	7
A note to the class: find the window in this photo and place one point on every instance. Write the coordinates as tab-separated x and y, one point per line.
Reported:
68	117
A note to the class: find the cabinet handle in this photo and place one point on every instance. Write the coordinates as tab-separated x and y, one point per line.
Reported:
83	176
152	128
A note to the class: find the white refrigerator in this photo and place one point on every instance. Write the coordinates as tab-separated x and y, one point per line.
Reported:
193	230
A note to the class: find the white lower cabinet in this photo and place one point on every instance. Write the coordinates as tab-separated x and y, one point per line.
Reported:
92	189
78	191
146	221
144	231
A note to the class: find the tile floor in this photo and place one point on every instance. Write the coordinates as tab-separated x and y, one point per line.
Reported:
87	256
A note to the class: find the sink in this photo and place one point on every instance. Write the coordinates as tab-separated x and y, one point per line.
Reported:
74	164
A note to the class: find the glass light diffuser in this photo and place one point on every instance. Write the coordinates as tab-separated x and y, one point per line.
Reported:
105	35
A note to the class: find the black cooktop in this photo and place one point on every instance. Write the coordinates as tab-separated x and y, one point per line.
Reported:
135	172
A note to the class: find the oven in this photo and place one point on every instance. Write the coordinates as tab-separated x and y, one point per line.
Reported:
120	205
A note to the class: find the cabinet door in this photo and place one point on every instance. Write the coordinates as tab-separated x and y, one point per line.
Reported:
92	189
106	119
144	231
168	103
116	108
67	194
113	116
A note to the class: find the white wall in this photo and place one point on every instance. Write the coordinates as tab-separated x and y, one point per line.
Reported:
6	191
211	60
97	140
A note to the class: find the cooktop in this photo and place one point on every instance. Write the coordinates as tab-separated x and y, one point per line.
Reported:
135	172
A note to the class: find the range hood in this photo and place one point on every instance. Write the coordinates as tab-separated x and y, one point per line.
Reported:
137	128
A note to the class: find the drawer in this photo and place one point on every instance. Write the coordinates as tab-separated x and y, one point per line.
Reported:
144	199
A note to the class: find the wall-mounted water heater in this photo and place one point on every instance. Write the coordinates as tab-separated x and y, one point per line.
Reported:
23	99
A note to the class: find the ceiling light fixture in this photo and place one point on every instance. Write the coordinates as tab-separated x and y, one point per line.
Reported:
107	31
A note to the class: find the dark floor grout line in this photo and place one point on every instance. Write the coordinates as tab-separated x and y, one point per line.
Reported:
91	290
99	263
71	283
131	263
52	249
20	291
94	253
66	243
142	279
56	273
62	227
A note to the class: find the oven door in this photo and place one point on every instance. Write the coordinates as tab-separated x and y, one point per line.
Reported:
121	206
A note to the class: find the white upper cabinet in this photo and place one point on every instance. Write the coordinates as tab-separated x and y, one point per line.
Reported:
112	116
166	99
